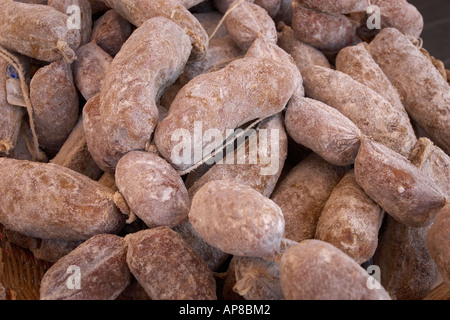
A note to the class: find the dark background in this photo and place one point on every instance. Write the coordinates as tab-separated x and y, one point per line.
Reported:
436	32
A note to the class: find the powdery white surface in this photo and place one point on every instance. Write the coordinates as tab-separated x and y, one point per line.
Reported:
326	31
49	201
380	171
167	267
350	220
303	54
237	219
341	6
407	269
401	15
127	111
36	37
55	105
139	11
247	173
103	271
323	129
248	22
152	188
316	270
373	114
424	92
302	194
245	90
434	162
357	62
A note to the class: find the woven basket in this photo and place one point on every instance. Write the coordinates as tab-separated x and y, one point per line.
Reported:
21	272
442	292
